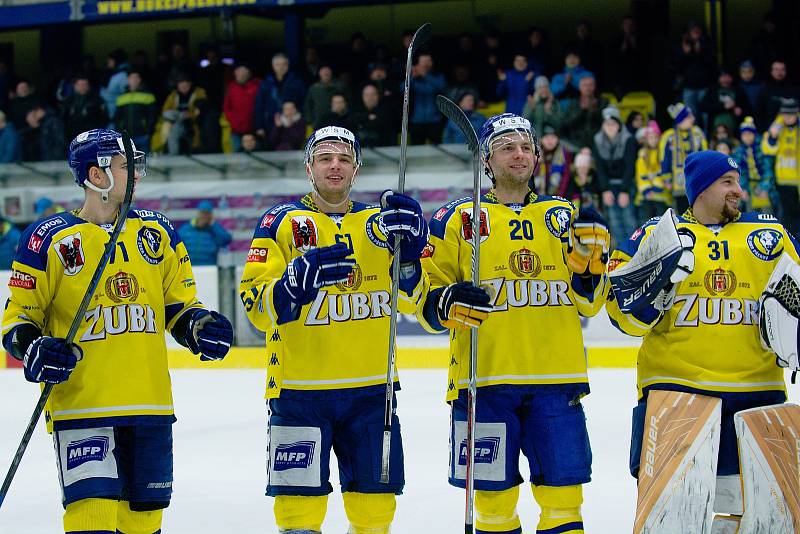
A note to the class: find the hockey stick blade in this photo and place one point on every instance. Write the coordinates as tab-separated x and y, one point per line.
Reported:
78	319
450	109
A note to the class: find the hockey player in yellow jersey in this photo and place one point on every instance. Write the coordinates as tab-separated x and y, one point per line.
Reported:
675	145
700	315
317	282
542	267
113	444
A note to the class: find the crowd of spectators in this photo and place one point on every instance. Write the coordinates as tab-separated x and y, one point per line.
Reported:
592	152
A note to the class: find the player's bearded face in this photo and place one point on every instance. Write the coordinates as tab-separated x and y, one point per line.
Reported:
512	158
724	194
333	170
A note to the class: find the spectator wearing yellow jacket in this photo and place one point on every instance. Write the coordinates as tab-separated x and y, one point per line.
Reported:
782	141
676	144
652	194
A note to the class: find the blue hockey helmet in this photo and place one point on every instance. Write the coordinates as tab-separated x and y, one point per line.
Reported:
321	142
97	148
506	126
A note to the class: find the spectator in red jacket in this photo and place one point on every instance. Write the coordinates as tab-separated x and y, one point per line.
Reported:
240	103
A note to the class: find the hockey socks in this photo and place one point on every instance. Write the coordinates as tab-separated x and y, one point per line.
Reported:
91	516
296	513
369	513
496	511
132	522
561	509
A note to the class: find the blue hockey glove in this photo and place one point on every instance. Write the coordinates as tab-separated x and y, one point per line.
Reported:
50	360
323	266
402	216
588	244
463	305
209	334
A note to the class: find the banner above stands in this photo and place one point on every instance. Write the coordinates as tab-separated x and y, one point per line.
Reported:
21	13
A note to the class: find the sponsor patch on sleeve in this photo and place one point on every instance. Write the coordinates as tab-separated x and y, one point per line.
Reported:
22	280
257	255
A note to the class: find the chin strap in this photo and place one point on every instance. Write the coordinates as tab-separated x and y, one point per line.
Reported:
103	191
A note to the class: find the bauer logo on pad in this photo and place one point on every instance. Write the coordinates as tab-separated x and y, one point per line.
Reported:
486	450
297	455
90	449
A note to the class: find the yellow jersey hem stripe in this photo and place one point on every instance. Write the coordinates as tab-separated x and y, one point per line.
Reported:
701	384
111	409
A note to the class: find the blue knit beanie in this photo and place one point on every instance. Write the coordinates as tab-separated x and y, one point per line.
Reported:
703	169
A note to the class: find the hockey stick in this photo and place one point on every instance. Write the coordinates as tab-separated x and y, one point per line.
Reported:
450	110
420	36
78	319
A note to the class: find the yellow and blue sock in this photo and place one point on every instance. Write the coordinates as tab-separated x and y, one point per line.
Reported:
561	509
91	516
300	512
369	513
496	512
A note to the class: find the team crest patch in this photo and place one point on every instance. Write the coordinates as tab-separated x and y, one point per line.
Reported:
525	263
719	281
122	286
304	233
149	244
613	264
376	231
70	251
354	280
557	220
765	244
427	252
467	226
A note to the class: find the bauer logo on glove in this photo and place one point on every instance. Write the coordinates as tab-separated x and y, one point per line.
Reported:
588	243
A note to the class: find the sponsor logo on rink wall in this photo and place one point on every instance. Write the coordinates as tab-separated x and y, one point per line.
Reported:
297	455
90	449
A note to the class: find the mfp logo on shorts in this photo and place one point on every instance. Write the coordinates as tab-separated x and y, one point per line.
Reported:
298	455
85	450
486	451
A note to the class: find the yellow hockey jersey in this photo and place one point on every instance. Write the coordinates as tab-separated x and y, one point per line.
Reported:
709	339
146	286
673	149
341	340
533	335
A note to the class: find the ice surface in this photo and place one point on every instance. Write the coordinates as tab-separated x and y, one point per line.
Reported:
220	460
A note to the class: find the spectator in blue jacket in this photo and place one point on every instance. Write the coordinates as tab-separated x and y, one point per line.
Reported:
452	133
277	88
203	237
10	148
515	85
425	120
565	84
9	238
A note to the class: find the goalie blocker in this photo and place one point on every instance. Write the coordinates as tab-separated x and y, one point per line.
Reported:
649	278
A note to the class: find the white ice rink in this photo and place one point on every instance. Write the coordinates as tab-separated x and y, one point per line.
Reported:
219	458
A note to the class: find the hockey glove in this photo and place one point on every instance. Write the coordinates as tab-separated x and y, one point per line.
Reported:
50	360
665	298
402	216
587	246
210	334
463	305
323	266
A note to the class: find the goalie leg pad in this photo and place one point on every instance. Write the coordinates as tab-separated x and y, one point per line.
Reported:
561	508
295	513
726	524
496	511
369	513
91	515
728	498
678	462
769	449
133	522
